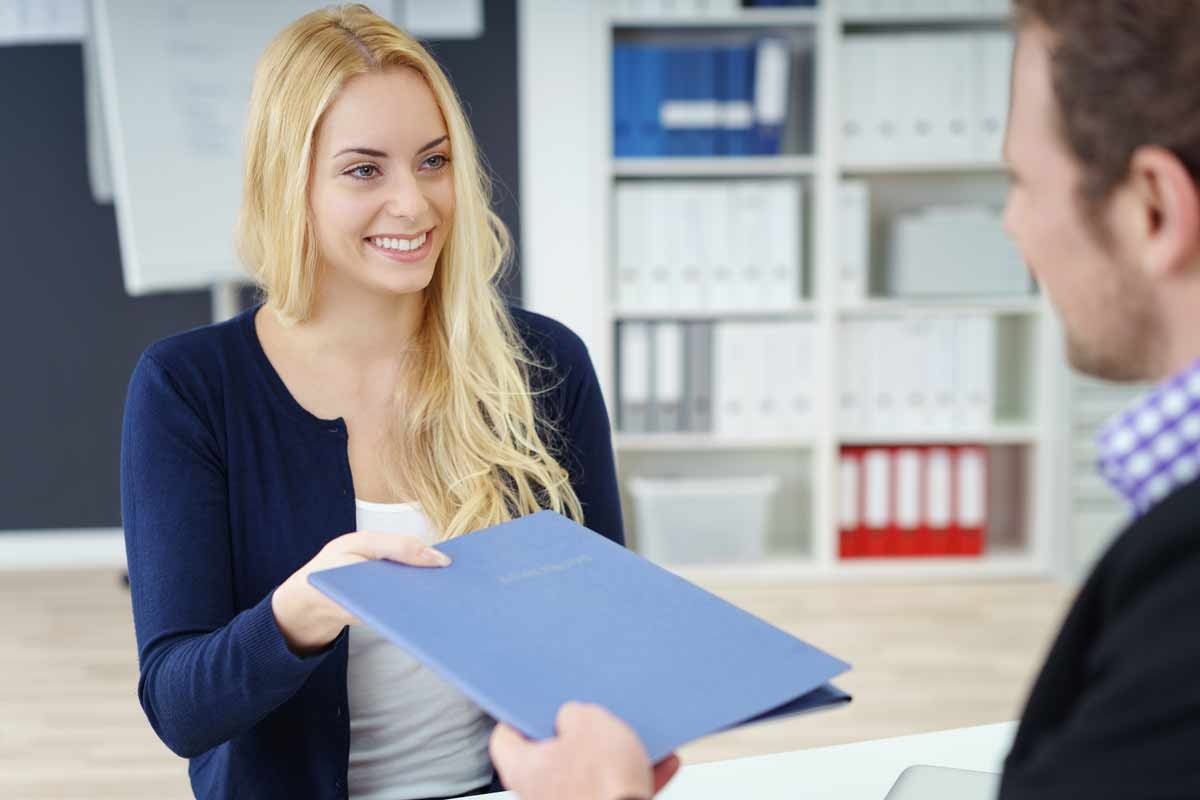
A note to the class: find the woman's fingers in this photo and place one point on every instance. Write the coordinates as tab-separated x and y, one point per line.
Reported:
510	753
403	549
506	742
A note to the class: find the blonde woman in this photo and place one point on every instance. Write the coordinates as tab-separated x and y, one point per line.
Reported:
381	399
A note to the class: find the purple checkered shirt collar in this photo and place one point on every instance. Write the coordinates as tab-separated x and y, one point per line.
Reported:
1153	447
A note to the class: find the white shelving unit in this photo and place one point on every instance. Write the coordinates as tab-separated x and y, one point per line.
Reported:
923	20
798	310
684	442
1021	306
764	17
568	178
922	168
1001	434
754	166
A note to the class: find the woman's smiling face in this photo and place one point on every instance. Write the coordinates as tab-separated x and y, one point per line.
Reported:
381	190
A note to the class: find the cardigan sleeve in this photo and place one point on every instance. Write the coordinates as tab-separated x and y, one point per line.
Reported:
207	672
586	437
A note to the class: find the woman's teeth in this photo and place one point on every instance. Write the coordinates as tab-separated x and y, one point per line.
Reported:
400	244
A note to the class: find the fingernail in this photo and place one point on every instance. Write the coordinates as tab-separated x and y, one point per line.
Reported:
437	557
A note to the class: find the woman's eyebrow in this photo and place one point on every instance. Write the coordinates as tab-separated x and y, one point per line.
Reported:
433	144
367	151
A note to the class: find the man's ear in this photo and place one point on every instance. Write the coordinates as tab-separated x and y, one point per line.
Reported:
1168	203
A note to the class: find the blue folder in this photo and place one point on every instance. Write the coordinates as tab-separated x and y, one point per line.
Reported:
622	100
738	87
540	610
704	88
650	78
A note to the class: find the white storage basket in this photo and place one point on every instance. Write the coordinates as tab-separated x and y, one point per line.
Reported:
702	520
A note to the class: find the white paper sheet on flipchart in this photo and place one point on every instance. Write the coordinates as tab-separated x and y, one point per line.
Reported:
98	163
444	19
27	22
175	81
439	19
57	21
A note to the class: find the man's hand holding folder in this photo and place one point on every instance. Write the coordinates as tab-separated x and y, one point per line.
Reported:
594	757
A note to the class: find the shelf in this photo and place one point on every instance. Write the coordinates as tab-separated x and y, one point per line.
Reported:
1025	306
1005	564
1010	433
715	167
931	18
1002	565
746	18
683	442
923	167
797	310
1001	434
778	570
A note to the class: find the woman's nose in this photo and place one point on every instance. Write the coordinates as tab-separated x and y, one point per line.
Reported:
406	199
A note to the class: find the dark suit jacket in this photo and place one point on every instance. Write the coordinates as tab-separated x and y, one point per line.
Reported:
1115	712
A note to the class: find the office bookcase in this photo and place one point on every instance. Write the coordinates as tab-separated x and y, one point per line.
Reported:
569	181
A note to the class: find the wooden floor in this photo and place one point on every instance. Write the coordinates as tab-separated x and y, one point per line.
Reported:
926	657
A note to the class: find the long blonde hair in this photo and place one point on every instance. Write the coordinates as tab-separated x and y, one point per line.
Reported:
465	442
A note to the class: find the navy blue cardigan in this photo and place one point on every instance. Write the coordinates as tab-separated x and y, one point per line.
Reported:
228	486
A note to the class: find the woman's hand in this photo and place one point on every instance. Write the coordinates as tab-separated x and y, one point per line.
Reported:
307	618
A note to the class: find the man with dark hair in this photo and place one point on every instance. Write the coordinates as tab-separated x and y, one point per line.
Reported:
1103	143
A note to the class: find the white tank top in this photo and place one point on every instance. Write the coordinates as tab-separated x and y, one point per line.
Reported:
412	735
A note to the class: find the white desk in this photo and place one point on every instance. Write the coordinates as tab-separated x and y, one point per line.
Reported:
860	771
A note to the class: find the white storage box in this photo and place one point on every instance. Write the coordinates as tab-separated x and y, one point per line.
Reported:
945	251
702	520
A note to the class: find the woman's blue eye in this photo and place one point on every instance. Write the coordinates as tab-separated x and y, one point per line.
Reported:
354	170
437	161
